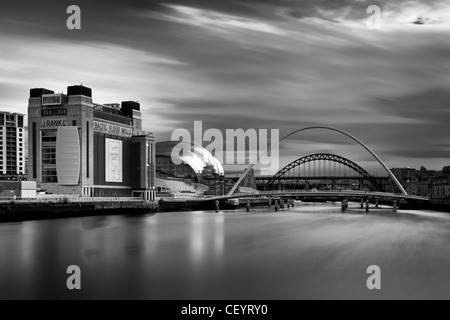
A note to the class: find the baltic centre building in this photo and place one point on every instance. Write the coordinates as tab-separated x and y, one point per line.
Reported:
76	146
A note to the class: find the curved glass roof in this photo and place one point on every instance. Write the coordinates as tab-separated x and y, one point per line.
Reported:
196	156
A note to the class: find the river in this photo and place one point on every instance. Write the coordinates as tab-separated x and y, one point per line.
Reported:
312	251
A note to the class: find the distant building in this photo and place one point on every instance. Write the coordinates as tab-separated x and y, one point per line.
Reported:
195	169
12	190
408	178
12	146
440	185
76	146
415	182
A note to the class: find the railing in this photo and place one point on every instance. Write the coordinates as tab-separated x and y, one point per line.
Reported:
70	199
327	192
106	199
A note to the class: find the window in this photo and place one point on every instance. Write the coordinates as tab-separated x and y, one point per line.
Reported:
34	148
51	99
49	174
87	149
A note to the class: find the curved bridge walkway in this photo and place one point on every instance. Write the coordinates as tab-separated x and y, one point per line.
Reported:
322	194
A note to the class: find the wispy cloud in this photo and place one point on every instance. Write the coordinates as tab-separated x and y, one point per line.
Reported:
250	64
214	20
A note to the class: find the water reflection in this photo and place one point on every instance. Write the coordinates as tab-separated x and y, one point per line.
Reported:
206	239
310	251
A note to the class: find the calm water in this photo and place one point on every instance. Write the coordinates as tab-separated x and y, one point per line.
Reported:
311	251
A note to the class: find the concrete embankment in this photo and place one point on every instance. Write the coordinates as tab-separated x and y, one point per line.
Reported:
205	204
22	211
440	205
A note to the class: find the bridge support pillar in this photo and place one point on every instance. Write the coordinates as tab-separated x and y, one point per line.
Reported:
276	205
248	205
217	205
376	203
362	203
395	206
344	205
367	205
292	203
270	203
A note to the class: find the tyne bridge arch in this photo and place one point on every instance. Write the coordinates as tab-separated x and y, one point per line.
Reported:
328	128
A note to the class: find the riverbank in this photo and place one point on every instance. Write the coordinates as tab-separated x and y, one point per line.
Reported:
24	211
440	205
28	210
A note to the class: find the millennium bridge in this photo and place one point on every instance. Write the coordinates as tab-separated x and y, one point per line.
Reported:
325	175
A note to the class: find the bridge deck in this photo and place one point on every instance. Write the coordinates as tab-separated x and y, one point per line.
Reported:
331	194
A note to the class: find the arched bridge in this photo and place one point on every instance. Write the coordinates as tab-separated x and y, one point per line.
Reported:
374	155
362	173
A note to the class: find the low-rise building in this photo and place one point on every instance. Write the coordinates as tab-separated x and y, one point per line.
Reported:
416	182
12	190
440	186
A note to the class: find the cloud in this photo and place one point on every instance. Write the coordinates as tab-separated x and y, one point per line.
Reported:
215	20
246	64
429	107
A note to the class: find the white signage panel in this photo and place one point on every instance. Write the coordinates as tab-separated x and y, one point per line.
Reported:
114	160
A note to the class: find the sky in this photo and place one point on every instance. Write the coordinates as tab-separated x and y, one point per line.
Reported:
277	64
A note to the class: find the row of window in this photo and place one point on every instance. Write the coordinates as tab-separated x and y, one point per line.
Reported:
11	134
11	150
12	166
11	145
34	112
49	174
73	111
20	161
11	120
54	112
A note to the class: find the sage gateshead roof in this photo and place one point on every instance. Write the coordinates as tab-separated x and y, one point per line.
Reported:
195	156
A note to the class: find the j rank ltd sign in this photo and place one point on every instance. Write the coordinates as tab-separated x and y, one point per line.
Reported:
112	129
54	123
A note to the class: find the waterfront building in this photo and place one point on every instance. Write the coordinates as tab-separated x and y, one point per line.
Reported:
12	146
415	182
76	146
195	172
440	185
408	178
